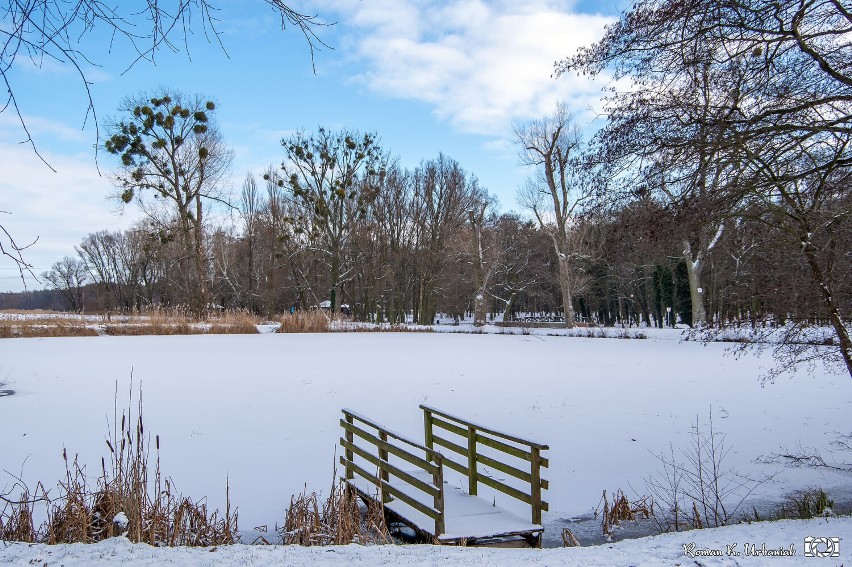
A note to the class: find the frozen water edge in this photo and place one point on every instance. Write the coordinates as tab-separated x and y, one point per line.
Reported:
263	410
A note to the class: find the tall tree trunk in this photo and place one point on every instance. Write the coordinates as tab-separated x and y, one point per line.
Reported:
510	305
694	271
202	299
479	282
565	286
831	305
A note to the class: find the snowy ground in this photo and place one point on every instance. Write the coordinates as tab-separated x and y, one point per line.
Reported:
262	410
742	545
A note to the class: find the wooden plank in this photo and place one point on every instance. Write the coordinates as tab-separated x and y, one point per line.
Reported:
450	445
416	504
377	427
483	429
392	449
449	463
471	461
510	470
505	489
438	501
500	446
461	431
427	435
383	456
536	486
386	467
350	439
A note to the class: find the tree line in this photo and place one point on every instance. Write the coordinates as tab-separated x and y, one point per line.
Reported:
716	193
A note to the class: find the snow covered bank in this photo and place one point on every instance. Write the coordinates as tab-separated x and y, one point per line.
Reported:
744	545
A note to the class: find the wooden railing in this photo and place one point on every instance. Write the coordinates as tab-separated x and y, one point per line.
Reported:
375	446
472	436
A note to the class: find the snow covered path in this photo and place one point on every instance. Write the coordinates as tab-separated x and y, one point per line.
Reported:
263	410
683	548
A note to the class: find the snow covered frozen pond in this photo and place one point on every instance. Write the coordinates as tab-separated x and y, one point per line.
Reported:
263	410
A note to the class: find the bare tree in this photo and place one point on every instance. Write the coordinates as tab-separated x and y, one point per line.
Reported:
558	191
331	179
172	153
764	108
523	263
485	259
68	277
443	194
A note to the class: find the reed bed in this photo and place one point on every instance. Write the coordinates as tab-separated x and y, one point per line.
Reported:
46	327
339	520
177	321
153	321
312	321
233	322
130	498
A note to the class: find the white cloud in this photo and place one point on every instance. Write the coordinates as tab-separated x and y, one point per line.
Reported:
58	209
481	65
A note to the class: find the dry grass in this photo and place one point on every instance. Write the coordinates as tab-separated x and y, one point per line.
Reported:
46	327
140	329
158	321
130	498
237	322
622	510
339	521
149	322
16	516
313	321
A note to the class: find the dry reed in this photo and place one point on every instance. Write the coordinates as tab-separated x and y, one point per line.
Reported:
313	321
339	521
569	539
46	327
622	510
130	498
236	322
157	328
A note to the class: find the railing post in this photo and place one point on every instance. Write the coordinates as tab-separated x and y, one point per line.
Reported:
471	460
427	426
383	473
438	481
535	484
349	456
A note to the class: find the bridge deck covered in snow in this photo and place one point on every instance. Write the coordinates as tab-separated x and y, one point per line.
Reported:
408	478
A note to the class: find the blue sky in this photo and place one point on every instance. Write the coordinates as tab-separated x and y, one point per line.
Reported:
427	76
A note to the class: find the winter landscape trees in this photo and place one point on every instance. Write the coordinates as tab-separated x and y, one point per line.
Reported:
557	192
715	194
740	112
170	148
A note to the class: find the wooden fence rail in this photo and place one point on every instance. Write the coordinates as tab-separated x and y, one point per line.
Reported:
472	437
374	445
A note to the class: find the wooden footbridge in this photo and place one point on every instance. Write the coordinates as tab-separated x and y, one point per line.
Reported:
408	479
